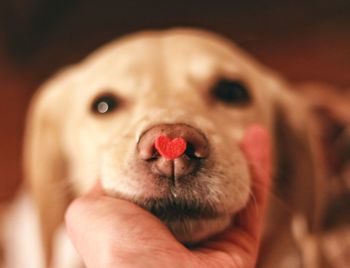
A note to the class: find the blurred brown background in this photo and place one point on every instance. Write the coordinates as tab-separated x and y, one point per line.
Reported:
304	40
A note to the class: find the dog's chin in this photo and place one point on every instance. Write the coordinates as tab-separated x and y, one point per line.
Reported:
193	231
190	222
190	211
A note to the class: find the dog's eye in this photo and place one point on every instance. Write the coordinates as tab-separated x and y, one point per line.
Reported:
231	92
104	104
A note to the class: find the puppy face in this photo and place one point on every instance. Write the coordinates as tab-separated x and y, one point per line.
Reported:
170	78
179	83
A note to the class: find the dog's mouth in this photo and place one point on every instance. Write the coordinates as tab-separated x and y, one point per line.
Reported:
178	209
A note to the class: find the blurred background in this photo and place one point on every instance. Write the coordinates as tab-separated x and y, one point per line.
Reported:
303	40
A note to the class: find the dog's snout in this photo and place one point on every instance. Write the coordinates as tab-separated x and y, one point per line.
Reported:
173	150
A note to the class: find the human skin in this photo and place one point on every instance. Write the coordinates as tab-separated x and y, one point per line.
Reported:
110	232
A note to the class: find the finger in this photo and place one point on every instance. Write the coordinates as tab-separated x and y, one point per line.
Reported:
256	147
90	224
117	228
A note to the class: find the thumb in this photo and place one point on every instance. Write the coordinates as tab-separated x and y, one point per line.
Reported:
256	147
106	231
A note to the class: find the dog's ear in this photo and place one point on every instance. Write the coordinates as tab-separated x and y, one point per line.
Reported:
300	176
44	166
330	105
300	179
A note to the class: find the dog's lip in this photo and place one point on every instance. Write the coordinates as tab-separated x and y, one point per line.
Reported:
174	209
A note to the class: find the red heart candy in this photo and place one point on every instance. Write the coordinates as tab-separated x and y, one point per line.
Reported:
170	149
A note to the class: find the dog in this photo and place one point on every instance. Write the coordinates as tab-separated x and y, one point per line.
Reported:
98	120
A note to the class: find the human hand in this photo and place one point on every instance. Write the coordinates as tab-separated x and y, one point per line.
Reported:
110	232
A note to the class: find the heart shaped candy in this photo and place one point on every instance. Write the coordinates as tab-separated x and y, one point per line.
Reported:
170	149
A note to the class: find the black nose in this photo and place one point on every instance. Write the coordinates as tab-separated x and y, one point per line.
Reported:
173	150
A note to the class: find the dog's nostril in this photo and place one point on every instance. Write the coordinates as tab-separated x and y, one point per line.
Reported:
190	150
196	152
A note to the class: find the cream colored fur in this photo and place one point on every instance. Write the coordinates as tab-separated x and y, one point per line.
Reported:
161	77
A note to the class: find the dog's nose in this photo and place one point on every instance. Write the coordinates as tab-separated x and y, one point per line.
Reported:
173	150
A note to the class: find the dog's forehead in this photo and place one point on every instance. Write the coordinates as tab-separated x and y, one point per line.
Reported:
177	56
150	46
